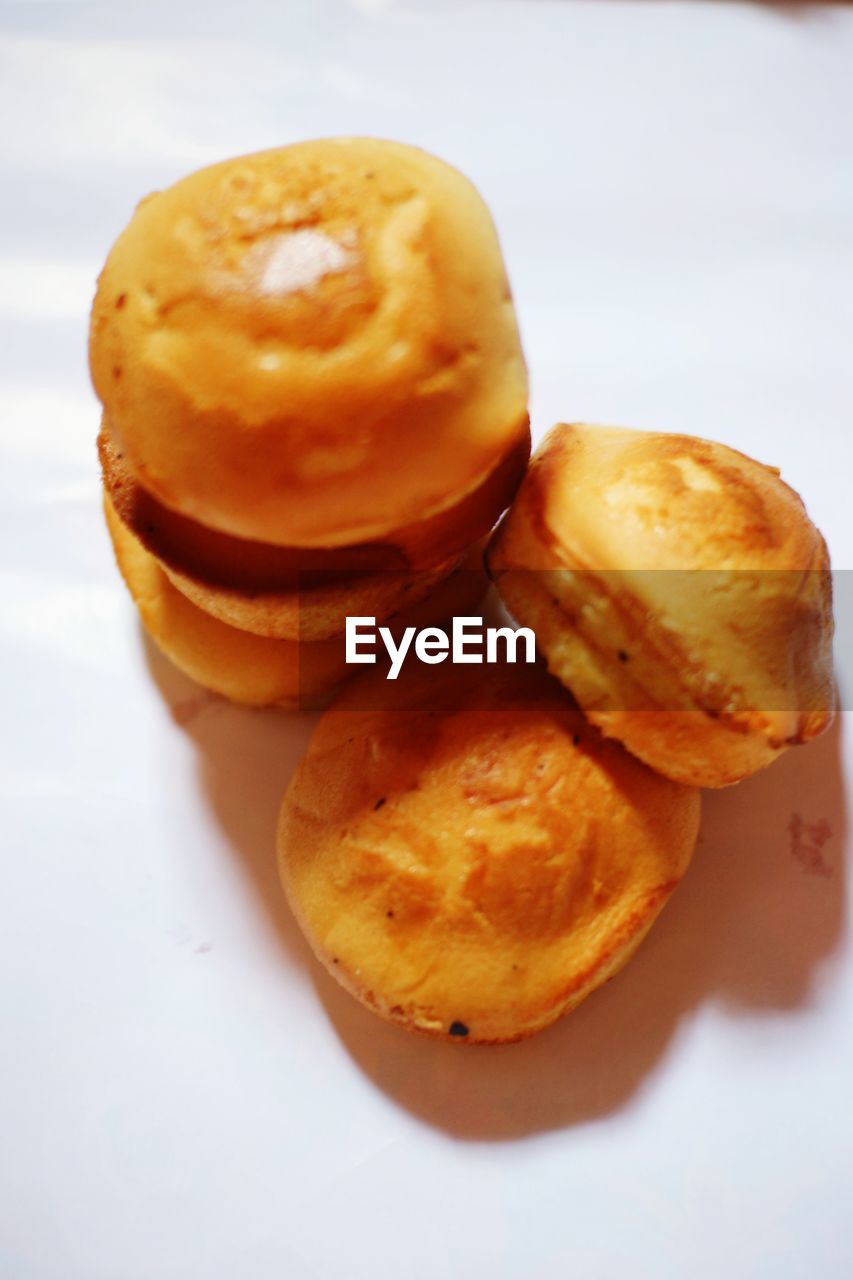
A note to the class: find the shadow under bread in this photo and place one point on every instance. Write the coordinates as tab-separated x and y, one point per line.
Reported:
751	927
245	759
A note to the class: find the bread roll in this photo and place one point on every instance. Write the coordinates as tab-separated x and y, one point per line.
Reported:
679	589
312	346
469	858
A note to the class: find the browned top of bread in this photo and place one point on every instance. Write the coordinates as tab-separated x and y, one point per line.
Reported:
470	852
310	345
614	498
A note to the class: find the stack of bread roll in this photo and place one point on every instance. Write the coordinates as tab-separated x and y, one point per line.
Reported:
315	402
314	407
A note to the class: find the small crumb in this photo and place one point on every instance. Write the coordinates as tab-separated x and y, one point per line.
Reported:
807	842
203	948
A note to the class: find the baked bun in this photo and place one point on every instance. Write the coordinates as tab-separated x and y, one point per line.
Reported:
298	593
307	345
679	589
255	669
469	858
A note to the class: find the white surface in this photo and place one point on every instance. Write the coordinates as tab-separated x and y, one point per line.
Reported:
184	1095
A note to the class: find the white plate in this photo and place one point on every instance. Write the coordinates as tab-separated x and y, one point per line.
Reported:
184	1094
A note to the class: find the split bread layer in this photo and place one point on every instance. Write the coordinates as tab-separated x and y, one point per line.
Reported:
296	593
252	669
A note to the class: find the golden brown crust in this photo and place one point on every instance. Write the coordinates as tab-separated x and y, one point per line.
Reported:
471	854
253	669
680	590
306	345
618	498
297	593
243	667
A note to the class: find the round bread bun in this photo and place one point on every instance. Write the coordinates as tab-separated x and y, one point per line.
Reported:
468	857
306	345
255	669
262	589
679	589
